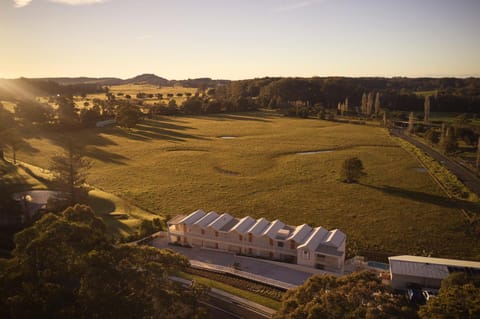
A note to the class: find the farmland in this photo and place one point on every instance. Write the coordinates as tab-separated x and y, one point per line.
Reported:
175	165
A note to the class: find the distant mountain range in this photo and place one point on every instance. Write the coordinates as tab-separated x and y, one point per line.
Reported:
139	79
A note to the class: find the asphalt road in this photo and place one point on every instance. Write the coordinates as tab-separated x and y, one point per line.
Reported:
463	174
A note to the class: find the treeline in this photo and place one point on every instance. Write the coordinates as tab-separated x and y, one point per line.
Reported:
23	87
397	94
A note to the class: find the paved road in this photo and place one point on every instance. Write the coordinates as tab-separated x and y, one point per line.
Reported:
463	174
221	304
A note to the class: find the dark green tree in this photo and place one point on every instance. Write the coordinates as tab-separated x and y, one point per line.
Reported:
192	106
64	266
14	139
128	115
70	173
458	298
359	295
352	170
67	112
6	122
32	112
89	117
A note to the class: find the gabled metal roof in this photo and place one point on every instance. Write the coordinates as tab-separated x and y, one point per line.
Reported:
207	219
192	218
259	227
221	221
243	225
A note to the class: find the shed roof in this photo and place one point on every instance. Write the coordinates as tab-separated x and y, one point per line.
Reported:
427	266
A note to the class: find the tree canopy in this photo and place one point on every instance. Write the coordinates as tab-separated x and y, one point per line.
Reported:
70	173
359	295
352	169
65	267
458	298
128	115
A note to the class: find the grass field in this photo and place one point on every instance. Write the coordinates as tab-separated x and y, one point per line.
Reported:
133	89
178	164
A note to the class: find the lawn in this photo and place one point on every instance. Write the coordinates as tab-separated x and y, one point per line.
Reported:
176	165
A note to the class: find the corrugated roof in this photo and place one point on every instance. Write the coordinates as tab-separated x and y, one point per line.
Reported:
220	221
315	238
244	224
335	238
258	228
193	217
435	261
207	219
399	267
300	233
228	226
274	227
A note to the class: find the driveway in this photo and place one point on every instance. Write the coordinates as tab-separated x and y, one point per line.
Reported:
258	267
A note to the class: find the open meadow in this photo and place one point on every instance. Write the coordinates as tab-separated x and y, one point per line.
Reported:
248	164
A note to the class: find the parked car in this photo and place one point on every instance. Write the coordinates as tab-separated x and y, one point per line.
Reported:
427	294
416	296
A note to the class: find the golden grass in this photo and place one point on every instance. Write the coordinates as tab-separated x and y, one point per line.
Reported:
178	164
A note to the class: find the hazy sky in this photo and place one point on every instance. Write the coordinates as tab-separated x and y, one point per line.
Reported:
237	39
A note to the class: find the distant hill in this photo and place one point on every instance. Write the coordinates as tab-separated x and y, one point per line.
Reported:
146	78
84	80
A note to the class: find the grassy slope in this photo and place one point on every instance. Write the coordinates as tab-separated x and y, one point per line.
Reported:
177	165
267	302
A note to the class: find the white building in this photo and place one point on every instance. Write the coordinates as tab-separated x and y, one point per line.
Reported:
426	272
303	245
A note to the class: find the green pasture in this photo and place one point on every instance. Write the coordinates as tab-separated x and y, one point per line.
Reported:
176	165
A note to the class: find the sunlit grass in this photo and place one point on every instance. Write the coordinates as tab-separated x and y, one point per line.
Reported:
178	164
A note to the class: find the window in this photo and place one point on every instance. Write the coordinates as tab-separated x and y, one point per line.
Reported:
203	231
280	244
306	254
271	242
250	237
216	234
292	244
240	237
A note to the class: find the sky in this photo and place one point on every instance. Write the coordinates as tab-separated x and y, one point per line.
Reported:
239	39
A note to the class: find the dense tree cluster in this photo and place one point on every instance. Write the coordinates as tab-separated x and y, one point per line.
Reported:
359	295
451	94
458	298
65	267
13	89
